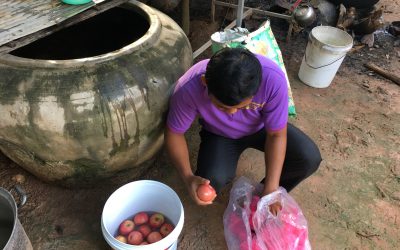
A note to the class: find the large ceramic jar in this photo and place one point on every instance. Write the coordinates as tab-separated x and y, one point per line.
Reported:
90	100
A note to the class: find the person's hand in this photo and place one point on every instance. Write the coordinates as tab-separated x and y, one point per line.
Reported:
274	208
192	183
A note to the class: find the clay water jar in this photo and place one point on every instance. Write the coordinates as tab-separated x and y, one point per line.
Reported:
90	101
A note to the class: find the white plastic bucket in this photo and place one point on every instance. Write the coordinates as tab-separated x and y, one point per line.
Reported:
326	48
138	196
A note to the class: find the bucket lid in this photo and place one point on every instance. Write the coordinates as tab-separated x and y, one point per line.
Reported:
331	38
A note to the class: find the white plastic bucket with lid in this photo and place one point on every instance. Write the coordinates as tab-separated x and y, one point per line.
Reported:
138	196
326	48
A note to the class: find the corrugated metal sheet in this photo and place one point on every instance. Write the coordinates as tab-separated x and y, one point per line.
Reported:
19	18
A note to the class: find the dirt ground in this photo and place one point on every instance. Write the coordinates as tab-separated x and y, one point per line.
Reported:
351	202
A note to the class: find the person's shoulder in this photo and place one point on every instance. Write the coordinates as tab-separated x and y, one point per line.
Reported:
273	77
190	79
202	63
197	69
269	66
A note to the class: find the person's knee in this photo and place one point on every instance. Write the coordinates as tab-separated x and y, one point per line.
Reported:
311	158
307	154
217	180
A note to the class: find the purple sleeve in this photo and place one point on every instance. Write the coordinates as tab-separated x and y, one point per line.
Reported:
275	110
182	111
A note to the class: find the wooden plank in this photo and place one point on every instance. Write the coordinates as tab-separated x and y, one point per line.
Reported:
229	26
21	18
8	47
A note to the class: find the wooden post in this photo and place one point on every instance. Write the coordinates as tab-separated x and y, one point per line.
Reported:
213	10
185	16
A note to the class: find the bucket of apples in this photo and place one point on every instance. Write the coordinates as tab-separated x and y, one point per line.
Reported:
143	215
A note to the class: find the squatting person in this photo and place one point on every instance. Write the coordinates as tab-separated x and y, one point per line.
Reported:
241	100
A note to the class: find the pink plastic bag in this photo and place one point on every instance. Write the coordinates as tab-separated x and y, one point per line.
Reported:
249	225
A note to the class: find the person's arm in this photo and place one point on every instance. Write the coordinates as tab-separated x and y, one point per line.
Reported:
178	152
275	149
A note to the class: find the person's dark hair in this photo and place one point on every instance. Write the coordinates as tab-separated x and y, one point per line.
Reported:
232	75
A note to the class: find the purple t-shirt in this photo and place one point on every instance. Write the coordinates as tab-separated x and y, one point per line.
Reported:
269	107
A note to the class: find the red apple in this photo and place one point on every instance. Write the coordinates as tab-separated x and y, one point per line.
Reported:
144	243
126	227
135	238
206	192
156	220
154	237
140	218
144	229
121	238
166	229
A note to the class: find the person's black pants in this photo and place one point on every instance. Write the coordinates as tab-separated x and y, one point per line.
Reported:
218	157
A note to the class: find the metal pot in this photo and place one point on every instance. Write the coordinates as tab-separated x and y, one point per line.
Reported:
304	15
12	234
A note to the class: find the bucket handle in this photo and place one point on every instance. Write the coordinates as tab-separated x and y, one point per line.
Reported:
21	193
305	59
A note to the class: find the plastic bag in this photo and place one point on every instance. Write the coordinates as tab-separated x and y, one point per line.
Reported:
261	41
249	225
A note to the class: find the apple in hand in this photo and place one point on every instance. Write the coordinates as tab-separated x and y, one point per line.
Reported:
135	238
140	218
121	238
206	192
145	230
166	229
156	220
154	237
126	227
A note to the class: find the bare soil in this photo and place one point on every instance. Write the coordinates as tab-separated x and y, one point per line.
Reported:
351	202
